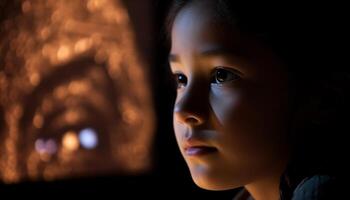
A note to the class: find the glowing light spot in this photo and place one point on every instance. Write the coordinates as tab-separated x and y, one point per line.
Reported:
60	92
70	141
34	79
51	146
26	6
45	32
88	138
45	147
40	146
129	113
38	121
94	5
47	50
72	116
17	111
82	45
78	87
63	53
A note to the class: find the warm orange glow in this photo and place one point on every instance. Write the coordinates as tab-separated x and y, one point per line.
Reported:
26	6
82	45
69	66
94	5
70	141
78	87
34	79
63	53
38	121
129	114
60	92
72	116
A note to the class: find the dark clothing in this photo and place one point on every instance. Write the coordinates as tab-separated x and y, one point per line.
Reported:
317	187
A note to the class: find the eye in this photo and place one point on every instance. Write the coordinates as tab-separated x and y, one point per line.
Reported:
180	80
222	75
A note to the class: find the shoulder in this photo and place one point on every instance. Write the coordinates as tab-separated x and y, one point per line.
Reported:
317	187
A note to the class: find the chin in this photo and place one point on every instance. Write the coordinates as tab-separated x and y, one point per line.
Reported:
209	185
213	183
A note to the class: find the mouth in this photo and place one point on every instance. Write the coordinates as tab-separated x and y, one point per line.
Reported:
200	150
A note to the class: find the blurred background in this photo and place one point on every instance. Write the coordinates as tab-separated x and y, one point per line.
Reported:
86	101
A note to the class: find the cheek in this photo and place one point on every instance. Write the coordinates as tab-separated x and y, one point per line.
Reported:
256	108
233	119
179	130
225	104
249	122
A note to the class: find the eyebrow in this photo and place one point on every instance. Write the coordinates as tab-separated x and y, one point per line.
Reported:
173	58
210	52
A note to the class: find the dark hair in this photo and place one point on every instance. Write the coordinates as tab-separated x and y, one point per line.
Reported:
300	38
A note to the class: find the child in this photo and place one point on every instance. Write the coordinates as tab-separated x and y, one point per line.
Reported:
239	112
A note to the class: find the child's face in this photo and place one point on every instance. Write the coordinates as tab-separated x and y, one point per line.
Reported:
231	105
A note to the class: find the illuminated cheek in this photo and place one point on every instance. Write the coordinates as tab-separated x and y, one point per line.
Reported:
225	105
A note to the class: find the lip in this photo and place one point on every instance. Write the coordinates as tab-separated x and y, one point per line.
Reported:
199	150
194	147
196	144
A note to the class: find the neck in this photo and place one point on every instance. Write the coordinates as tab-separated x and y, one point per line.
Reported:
265	189
268	186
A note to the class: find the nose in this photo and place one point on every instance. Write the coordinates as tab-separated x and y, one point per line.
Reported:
184	117
191	107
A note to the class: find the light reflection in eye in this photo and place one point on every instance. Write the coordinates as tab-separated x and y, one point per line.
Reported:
88	138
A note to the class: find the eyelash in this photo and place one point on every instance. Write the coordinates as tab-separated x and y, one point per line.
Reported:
232	75
181	79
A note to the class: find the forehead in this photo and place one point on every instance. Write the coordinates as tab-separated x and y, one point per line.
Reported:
198	24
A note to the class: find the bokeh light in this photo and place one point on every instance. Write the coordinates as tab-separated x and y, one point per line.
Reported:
67	66
88	138
70	141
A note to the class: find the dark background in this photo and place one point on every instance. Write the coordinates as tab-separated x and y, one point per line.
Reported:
169	177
